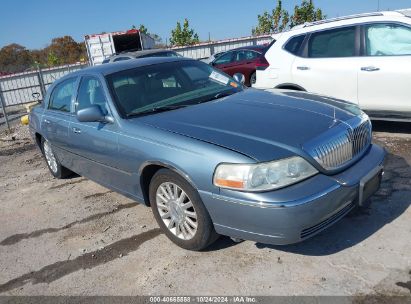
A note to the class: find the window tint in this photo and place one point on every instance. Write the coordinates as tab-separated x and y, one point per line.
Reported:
107	60
294	44
332	43
170	82
121	59
243	55
90	93
182	82
387	40
224	58
61	97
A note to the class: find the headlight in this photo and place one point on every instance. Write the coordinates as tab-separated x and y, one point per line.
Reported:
264	176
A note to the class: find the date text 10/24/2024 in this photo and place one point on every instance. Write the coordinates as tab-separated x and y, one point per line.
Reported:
203	299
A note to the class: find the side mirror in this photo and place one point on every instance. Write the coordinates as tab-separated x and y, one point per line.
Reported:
239	78
93	113
36	96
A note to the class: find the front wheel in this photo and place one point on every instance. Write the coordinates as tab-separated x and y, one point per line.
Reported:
54	165
179	211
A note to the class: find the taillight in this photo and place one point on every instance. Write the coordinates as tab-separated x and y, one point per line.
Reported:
262	63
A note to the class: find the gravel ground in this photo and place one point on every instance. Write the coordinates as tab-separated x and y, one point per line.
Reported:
74	237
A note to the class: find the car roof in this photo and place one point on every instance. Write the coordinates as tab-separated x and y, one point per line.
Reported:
143	53
251	47
106	69
344	20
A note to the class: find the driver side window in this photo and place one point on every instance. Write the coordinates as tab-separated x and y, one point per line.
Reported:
90	93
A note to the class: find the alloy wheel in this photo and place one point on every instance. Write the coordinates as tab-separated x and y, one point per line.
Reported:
176	210
50	158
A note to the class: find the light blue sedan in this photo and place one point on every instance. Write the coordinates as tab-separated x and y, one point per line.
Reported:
210	157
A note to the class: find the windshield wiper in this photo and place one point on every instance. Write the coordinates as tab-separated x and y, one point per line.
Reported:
217	96
157	110
223	94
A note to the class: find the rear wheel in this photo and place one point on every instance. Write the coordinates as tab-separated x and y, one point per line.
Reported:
179	211
54	165
253	79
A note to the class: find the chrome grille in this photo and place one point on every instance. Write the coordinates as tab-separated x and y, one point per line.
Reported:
343	147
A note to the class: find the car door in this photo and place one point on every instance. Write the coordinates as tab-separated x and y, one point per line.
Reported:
329	63
224	62
95	144
56	119
385	72
244	63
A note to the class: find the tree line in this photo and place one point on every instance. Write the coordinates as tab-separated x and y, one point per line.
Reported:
65	50
278	20
16	58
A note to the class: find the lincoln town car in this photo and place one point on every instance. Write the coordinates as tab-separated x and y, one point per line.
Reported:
210	156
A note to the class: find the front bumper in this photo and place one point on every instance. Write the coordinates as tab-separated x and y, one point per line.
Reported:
294	213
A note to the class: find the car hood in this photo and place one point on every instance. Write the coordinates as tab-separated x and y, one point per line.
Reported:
263	125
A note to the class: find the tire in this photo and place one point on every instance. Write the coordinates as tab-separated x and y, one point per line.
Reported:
253	79
190	224
54	165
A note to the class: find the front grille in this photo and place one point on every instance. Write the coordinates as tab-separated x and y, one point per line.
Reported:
343	147
324	224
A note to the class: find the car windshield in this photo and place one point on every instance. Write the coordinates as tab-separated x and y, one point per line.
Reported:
168	85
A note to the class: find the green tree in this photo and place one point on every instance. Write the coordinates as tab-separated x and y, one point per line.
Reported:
52	59
268	23
143	29
306	12
183	36
279	19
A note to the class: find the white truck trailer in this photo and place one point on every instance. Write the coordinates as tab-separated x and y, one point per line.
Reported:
101	46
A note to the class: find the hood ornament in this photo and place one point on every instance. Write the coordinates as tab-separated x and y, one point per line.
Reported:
335	120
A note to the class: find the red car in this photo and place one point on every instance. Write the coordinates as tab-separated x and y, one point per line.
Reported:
244	60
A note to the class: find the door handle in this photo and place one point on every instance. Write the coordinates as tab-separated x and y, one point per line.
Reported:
76	130
303	68
370	69
46	121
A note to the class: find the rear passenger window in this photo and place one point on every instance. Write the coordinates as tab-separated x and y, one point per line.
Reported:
243	55
294	44
332	43
387	40
60	99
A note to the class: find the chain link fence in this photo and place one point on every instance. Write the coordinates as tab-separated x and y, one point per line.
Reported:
17	90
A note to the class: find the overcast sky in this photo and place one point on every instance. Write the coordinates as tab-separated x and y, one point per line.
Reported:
34	23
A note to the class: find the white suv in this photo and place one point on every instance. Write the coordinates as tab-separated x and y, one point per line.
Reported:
365	59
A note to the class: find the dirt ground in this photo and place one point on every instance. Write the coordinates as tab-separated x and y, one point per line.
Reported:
74	237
